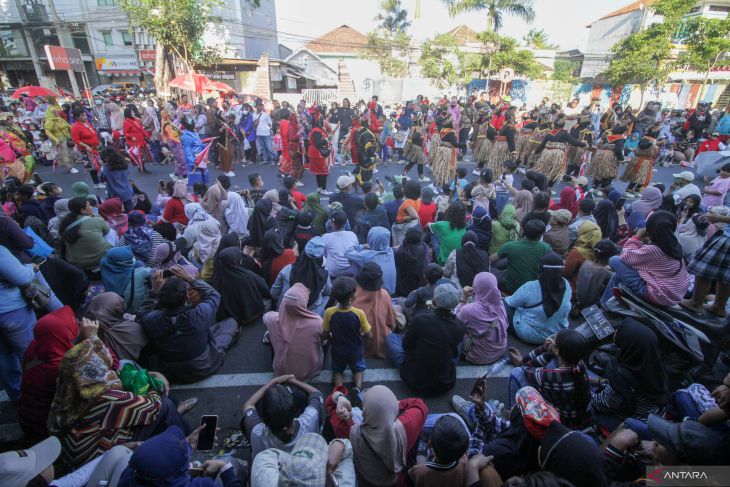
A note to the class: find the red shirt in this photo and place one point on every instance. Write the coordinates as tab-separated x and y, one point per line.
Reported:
299	198
134	133
175	211
427	213
287	257
84	133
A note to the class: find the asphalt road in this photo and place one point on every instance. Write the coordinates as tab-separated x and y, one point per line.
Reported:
248	363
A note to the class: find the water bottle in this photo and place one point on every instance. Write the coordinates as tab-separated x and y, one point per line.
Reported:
103	483
497	367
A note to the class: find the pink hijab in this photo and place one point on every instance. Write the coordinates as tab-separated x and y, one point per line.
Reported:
295	334
486	321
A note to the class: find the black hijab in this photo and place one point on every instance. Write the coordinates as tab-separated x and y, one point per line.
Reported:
606	218
538	178
410	262
470	260
695	208
242	291
272	246
639	370
309	270
259	221
552	284
573	456
661	228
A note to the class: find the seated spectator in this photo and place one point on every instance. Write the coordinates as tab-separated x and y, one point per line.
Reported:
318	212
374	216
82	235
651	264
377	305
185	341
585	213
607	219
241	290
523	258
465	263
572	456
28	205
541	201
589	234
418	301
637	386
116	173
113	213
449	441
540	308
120	334
568	201
594	274
195	215
505	228
392	207
336	244
556	369
716	190
449	231
485	340
427	209
169	254
120	275
411	259
378	251
481	225
710	265
426	355
407	216
558	236
236	215
60	208
692	234
53	335
205	247
175	207
304	231
295	334
272	417
276	253
309	270
352	204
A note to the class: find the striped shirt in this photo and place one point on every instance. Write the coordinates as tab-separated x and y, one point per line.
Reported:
666	279
609	402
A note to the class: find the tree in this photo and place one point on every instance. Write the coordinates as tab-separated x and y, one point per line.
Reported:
538	39
707	44
439	60
177	26
388	44
563	70
496	10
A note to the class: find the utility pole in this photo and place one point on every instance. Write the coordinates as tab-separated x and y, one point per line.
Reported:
60	31
29	44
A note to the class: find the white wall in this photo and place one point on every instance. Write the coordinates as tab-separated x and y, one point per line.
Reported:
602	37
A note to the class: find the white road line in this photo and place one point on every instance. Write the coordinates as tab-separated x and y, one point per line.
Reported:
372	376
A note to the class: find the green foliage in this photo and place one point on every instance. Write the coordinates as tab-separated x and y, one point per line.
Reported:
564	70
439	60
389	43
642	57
673	10
707	44
538	39
496	10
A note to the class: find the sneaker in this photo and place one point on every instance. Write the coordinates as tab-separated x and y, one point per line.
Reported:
299	184
461	407
100	186
74	170
230	174
476	172
424	179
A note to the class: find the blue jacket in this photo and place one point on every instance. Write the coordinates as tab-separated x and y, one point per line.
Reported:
192	146
405	121
246	125
117	183
12	275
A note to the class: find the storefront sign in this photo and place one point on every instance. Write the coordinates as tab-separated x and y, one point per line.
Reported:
64	58
112	64
220	76
147	55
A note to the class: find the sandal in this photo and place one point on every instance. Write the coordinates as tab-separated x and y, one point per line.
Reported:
187	405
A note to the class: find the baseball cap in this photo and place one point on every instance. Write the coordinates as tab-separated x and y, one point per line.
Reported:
344	181
446	296
306	465
692	442
687	175
581	181
19	467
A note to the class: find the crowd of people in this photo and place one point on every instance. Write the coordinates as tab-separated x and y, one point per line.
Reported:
107	300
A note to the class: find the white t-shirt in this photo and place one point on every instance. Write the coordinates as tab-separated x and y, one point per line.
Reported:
264	125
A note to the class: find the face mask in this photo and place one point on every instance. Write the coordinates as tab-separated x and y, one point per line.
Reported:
245	112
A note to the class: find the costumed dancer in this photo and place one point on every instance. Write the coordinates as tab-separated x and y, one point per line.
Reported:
367	146
581	131
318	151
86	139
413	150
444	165
552	153
294	136
539	133
504	144
434	140
604	162
640	169
285	163
171	137
524	134
350	145
135	136
11	163
484	139
59	132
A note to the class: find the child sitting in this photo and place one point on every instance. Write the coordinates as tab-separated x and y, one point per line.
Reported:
304	230
449	441
443	200
594	275
484	192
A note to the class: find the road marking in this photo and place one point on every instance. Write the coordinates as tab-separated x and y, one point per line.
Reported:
325	377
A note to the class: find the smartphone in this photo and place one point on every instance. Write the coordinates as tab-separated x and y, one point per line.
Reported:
161	183
207	435
167	273
620	203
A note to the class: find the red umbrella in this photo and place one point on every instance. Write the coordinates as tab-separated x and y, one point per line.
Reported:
33	91
190	82
217	86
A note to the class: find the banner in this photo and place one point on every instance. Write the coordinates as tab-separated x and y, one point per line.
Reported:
64	58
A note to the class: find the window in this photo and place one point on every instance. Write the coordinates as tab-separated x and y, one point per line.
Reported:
107	36
719	8
107	3
126	38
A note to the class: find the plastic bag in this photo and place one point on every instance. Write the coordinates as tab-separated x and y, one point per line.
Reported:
40	247
139	381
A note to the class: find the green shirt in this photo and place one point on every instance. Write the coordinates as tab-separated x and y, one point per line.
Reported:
87	251
449	239
523	262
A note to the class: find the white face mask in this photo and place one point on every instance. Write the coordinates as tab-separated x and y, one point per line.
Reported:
245	112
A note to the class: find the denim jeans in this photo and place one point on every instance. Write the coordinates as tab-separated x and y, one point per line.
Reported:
265	148
394	349
16	333
516	381
623	274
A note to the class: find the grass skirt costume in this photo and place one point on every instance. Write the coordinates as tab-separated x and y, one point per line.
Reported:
434	144
641	167
552	161
443	165
482	145
528	154
604	164
522	141
500	153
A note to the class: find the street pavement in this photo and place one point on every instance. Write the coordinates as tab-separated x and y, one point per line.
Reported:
248	363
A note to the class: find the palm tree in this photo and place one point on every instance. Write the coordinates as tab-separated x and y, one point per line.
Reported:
495	10
538	39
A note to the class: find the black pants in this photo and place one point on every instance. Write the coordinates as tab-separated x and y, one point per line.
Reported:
321	181
463	137
94	176
408	167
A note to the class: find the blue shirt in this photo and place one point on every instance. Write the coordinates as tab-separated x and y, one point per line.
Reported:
530	322
12	275
346	327
117	183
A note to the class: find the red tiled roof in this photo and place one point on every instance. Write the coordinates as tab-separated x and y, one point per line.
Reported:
631	7
464	34
342	39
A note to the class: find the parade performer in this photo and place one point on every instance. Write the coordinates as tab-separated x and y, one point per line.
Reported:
539	133
136	138
434	140
604	162
294	145
86	139
413	150
367	146
581	131
444	162
318	151
484	139
524	133
640	169
504	144
553	157
285	162
171	137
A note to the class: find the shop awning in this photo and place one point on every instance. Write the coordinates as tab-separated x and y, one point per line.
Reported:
120	72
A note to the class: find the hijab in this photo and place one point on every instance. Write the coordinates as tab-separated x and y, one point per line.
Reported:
117	269
481	225
318	211
86	373
121	334
410	261
572	455
180	191
377	305
568	201
259	221
695	208
589	234
195	213
273	196
242	291
163	460
80	189
167	256
661	228
379	443
485	313
470	260
209	236
523	203
639	369
650	200
112	211
606	217
552	283
309	269
139	235
60	207
236	214
509	222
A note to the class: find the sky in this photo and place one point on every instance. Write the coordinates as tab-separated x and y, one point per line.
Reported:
564	21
